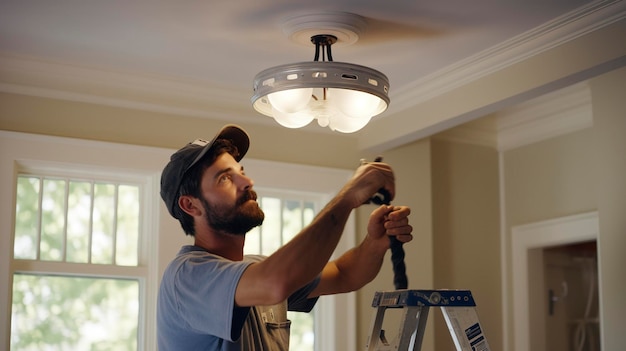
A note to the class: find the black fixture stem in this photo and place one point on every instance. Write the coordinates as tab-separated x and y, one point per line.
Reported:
323	41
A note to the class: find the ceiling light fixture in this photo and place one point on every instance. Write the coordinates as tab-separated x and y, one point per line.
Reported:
341	96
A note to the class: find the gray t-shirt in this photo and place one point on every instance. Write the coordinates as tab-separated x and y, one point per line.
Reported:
196	307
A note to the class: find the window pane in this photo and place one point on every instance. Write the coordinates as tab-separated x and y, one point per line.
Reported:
72	313
26	218
292	219
308	212
52	220
103	223
271	229
78	222
253	242
127	236
302	336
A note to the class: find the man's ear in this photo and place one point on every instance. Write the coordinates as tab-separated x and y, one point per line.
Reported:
190	205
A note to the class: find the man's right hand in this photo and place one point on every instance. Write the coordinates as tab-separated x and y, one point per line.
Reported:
368	179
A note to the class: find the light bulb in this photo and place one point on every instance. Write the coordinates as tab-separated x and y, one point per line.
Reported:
356	104
290	101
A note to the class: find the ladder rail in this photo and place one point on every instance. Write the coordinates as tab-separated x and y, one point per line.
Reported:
465	330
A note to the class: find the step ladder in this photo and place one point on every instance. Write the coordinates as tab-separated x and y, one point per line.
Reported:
458	308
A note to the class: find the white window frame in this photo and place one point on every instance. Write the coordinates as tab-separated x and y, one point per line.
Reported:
336	332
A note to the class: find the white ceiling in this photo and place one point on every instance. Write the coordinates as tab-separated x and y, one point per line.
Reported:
199	58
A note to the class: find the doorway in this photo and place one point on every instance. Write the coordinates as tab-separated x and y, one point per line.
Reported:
571	291
530	287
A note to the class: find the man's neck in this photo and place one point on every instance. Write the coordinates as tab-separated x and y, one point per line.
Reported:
226	245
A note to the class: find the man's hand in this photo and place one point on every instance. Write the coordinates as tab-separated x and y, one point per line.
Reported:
368	179
389	220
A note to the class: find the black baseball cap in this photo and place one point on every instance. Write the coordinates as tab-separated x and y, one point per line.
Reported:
182	160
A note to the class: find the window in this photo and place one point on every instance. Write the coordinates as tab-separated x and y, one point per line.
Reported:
76	224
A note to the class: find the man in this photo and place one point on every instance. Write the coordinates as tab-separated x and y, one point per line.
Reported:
211	296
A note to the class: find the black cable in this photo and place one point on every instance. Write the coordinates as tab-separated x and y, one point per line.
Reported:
400	279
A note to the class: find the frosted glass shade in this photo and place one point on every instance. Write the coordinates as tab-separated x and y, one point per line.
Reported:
356	104
290	101
346	124
293	120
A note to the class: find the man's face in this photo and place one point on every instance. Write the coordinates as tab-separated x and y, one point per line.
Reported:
228	199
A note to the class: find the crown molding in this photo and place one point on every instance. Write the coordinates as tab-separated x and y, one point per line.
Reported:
565	28
558	113
54	80
549	116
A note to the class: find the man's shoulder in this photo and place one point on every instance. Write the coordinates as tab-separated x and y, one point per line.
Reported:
254	258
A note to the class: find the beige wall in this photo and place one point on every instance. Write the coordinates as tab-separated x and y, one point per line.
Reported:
96	122
466	232
550	179
576	173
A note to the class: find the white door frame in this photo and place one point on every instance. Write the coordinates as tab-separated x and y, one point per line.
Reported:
553	232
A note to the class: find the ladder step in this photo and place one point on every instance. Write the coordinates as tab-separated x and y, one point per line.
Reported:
458	308
431	298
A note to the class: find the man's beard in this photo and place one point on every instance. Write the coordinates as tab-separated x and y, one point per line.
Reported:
238	219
